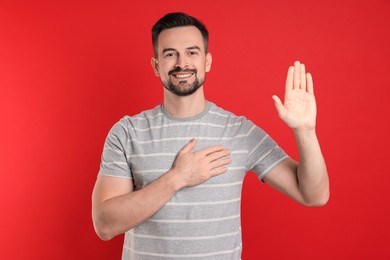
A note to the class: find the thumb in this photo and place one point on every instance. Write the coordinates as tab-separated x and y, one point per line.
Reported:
188	147
279	106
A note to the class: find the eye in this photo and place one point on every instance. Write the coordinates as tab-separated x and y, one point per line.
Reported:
168	55
193	53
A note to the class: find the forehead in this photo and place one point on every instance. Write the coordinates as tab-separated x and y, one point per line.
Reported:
180	38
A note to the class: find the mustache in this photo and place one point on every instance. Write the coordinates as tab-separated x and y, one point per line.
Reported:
178	69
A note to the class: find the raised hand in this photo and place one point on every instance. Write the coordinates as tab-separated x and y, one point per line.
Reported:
193	168
299	109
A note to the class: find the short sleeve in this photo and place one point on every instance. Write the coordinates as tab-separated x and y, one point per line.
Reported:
114	160
264	153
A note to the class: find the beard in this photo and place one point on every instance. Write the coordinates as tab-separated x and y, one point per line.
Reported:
183	88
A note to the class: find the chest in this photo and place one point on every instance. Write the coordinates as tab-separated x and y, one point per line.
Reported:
154	151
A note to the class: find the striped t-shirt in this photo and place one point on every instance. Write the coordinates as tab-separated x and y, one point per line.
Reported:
201	222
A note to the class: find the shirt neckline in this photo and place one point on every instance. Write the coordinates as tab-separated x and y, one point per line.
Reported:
186	119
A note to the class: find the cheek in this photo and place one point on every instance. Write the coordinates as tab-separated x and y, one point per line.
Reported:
166	67
202	68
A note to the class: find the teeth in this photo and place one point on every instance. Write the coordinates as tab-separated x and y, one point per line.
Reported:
182	75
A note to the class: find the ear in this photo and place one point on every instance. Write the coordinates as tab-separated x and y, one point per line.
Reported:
155	67
209	60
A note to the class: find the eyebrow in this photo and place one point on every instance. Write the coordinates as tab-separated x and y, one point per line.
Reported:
193	48
189	48
168	49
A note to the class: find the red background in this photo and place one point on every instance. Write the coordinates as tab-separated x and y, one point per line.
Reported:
70	69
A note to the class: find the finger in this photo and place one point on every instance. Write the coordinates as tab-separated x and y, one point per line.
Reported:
297	77
310	86
189	147
218	155
218	171
279	106
303	77
289	79
211	149
220	163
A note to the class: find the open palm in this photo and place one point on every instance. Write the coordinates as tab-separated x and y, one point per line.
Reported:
299	109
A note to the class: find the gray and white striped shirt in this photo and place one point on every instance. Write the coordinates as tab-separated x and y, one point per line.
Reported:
201	222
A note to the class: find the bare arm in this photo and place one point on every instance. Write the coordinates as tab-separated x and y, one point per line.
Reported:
307	181
116	208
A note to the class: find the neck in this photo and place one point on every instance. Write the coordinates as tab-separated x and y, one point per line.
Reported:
184	107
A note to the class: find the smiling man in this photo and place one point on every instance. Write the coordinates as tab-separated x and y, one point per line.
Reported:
171	177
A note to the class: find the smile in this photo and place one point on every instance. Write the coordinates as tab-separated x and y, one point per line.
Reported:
182	76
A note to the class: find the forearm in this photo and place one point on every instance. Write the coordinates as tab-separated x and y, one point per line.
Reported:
312	173
116	215
116	208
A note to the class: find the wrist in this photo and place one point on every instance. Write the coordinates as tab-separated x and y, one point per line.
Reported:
174	180
304	136
304	132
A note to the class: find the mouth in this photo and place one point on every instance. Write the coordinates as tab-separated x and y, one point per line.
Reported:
182	75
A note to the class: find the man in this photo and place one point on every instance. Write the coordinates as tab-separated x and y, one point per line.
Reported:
171	177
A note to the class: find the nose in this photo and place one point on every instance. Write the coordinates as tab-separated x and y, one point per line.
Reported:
181	62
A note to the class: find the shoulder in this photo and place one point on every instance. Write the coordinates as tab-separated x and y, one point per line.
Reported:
218	112
127	124
142	118
147	114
